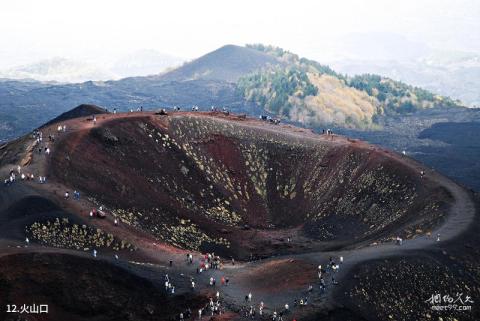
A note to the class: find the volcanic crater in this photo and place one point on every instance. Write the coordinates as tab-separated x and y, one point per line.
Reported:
206	181
275	200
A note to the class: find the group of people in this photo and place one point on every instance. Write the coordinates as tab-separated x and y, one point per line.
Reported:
212	108
249	310
131	109
214	307
209	261
76	195
38	136
169	287
14	175
267	118
223	110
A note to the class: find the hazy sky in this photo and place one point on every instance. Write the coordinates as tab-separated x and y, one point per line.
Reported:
98	30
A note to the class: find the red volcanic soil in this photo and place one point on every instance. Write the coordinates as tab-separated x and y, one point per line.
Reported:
198	182
231	178
280	276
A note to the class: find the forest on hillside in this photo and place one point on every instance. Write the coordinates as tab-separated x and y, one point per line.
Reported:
304	90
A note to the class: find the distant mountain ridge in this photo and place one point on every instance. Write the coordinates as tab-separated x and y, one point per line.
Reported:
255	79
58	69
63	70
227	63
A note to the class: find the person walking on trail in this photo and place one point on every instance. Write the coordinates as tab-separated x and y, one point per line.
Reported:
200	314
94	253
193	285
27	241
399	240
438	237
249	297
341	259
322	284
94	119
